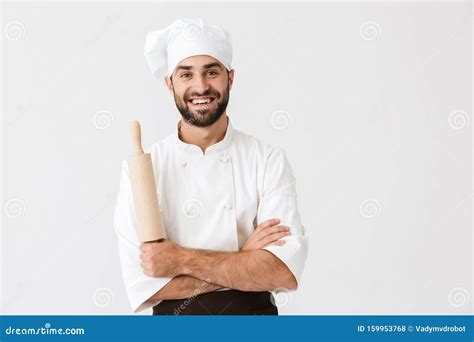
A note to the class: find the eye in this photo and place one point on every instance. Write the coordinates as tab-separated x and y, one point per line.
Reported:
185	75
211	73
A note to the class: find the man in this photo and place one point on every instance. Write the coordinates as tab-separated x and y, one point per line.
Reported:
228	201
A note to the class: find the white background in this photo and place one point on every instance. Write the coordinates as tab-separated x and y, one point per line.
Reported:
377	106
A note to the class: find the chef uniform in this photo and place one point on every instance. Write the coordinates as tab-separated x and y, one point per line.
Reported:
212	200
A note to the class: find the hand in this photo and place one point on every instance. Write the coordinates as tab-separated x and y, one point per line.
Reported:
266	234
161	259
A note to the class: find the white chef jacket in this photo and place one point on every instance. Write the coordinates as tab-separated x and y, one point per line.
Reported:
211	201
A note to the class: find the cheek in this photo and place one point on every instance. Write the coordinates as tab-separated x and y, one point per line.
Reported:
179	93
220	86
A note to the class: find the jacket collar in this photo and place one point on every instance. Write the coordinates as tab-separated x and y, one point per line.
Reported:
219	147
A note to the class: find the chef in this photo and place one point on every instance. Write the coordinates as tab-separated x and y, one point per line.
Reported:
233	233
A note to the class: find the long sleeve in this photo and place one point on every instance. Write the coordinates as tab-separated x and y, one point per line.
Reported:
279	200
139	287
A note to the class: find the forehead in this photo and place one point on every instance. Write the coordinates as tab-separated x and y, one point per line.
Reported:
197	62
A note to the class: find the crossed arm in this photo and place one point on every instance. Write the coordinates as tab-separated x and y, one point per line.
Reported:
198	271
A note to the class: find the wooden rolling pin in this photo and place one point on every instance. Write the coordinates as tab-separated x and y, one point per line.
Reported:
145	198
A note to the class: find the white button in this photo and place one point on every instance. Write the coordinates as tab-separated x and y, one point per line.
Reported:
183	163
225	159
228	206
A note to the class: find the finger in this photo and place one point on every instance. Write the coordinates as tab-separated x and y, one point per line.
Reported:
261	244
262	232
276	243
272	230
256	234
268	223
273	237
147	246
144	257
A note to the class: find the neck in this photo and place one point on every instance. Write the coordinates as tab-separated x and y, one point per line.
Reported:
203	136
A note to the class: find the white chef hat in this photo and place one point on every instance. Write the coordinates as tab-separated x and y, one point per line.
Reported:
187	37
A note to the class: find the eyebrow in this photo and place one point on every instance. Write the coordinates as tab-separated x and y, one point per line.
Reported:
183	67
206	66
211	65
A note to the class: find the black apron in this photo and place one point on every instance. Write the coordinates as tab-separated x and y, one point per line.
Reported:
227	302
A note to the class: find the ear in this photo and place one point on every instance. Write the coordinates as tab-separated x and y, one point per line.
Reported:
168	84
231	78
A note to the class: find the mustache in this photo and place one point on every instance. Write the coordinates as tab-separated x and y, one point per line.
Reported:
209	93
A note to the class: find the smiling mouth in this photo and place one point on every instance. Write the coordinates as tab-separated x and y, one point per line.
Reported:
201	102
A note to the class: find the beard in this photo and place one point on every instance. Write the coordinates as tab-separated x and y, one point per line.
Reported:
206	116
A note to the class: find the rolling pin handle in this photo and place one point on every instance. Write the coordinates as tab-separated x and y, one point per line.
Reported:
135	131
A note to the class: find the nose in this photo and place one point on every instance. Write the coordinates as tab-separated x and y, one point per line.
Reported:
199	85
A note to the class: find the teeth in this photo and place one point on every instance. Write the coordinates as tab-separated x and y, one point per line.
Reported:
201	101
